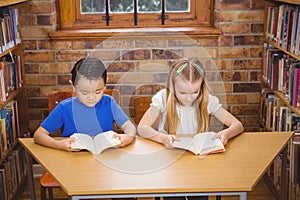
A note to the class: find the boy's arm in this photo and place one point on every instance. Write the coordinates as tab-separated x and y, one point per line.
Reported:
235	127
146	130
41	136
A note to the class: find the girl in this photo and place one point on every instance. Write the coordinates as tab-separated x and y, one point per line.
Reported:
185	106
90	111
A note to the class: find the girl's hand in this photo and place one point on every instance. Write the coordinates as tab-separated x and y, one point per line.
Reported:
167	140
222	136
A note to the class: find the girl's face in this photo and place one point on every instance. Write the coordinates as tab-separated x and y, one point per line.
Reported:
185	91
89	92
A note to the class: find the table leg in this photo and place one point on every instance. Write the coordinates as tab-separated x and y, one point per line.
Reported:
30	175
243	196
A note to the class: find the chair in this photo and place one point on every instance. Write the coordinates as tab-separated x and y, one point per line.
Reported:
54	97
140	106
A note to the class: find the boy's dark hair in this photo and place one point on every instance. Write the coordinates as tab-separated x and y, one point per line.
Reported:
90	68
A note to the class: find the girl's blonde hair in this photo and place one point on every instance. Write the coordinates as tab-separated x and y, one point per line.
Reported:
190	70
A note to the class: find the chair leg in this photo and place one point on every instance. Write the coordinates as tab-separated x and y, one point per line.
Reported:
43	193
50	193
218	197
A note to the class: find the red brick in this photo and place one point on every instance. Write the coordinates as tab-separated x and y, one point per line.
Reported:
232	4
45	56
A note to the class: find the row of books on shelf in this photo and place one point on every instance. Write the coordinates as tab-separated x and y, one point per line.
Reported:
282	73
275	115
12	172
274	172
283	26
9	28
9	127
10	75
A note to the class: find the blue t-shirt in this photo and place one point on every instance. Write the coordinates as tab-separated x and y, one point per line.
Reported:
71	116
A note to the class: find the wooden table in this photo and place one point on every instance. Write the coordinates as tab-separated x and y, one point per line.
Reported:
147	169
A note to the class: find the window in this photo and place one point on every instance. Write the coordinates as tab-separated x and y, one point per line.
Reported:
134	12
85	14
93	19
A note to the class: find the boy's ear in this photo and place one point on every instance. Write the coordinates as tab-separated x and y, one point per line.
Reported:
71	83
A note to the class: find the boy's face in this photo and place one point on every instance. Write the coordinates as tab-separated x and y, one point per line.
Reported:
89	92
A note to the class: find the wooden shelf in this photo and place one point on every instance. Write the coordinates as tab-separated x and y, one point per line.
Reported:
290	1
10	50
10	2
281	49
282	192
17	100
286	102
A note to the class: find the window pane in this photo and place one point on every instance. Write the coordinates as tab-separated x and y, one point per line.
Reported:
149	6
126	6
121	6
92	6
178	6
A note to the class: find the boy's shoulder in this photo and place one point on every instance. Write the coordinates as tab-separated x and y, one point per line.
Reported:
66	102
106	99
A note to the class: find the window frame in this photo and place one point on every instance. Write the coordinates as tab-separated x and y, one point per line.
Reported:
127	20
201	15
70	28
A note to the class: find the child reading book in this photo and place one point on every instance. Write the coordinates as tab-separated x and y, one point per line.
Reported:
90	111
184	107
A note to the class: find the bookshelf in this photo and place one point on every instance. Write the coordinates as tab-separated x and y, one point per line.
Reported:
14	120
280	89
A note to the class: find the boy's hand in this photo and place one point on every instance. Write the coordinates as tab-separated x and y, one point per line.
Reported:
65	144
124	139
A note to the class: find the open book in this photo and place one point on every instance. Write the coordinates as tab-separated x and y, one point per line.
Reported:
200	144
95	144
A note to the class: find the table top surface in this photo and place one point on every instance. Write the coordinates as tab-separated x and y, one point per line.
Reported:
147	167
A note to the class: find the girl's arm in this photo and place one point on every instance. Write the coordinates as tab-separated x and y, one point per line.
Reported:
130	133
41	136
146	130
235	127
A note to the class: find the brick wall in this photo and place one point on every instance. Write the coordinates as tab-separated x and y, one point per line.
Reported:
140	66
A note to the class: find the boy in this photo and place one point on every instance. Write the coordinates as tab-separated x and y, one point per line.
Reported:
90	111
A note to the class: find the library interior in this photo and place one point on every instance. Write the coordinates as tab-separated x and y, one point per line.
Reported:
250	52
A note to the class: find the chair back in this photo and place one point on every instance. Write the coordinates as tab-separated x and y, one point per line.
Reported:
141	105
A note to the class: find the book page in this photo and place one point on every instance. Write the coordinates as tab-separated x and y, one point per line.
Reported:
185	143
201	143
206	144
105	140
83	141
